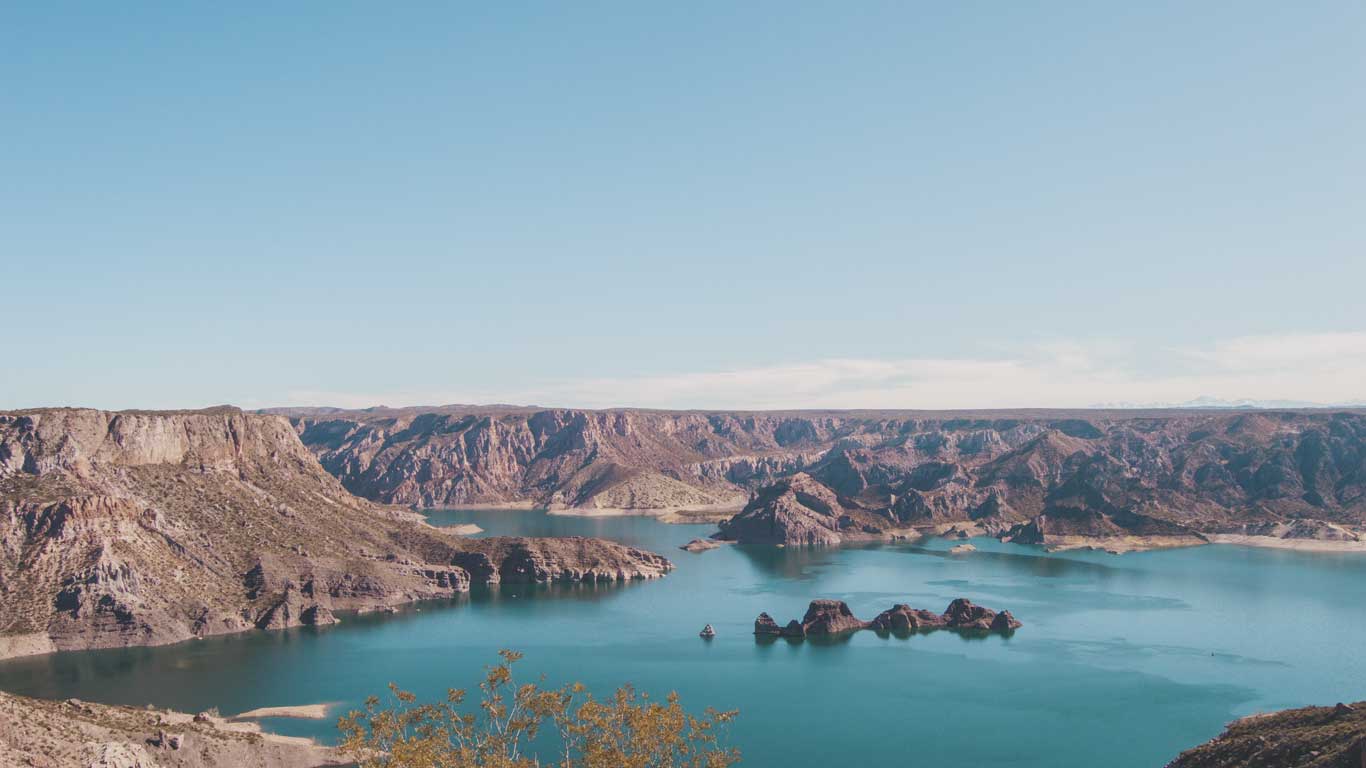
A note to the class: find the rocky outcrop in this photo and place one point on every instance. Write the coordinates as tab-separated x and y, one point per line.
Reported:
699	545
146	528
765	626
833	617
1303	530
77	734
518	560
1312	737
903	618
794	510
961	614
823	617
1072	528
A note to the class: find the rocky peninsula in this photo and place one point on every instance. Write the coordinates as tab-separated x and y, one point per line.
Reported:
1311	737
147	528
833	617
1106	479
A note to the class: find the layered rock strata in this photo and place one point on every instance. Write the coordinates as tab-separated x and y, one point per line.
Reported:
1110	479
145	528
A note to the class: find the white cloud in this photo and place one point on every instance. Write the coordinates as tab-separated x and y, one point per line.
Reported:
1322	368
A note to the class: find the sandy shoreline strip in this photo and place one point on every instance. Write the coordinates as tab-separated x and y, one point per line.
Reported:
1273	542
712	513
301	712
487	505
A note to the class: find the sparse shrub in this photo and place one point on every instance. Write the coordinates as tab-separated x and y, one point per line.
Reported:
626	731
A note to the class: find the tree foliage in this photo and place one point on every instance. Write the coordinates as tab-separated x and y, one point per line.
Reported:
628	730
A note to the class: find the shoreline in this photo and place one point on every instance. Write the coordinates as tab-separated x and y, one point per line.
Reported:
459	529
1273	542
685	515
524	504
43	731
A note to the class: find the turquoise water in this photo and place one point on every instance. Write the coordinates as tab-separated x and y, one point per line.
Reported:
1123	660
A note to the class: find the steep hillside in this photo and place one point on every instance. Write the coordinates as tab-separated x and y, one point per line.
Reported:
1058	478
143	528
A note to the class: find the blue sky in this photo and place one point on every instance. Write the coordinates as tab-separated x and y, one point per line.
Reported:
682	205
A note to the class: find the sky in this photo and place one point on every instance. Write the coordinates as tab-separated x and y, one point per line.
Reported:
685	205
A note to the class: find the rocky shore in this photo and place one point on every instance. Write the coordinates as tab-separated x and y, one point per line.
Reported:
833	617
148	528
1311	737
77	734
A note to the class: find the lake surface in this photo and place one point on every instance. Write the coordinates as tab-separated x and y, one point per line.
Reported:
1123	660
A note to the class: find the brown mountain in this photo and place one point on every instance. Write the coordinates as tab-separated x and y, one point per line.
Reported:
143	528
1057	478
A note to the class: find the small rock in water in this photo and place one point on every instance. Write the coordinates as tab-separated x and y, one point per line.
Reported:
962	549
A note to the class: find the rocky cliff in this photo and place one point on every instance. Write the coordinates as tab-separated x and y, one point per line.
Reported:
144	528
1119	479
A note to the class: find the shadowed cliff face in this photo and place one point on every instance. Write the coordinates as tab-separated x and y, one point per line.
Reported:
1048	476
144	528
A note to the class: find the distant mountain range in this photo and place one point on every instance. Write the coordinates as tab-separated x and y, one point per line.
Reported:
1217	402
1124	477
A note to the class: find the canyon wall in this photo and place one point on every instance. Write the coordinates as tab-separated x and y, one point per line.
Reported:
1049	477
144	528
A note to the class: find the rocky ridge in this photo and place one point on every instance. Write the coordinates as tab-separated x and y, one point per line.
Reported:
146	528
1112	479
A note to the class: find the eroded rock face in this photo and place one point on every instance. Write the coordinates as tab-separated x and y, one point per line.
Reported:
832	617
765	626
795	510
1135	477
904	618
147	528
520	560
964	614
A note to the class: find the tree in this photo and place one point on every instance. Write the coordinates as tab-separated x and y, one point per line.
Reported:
626	731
